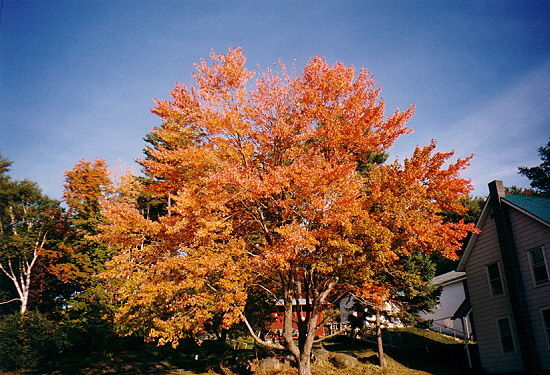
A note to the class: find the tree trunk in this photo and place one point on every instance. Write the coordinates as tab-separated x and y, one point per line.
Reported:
379	342
222	337
304	365
20	275
304	362
24	302
307	324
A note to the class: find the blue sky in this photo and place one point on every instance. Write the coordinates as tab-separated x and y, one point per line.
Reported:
78	78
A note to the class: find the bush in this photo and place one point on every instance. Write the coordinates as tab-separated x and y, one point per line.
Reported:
27	340
88	320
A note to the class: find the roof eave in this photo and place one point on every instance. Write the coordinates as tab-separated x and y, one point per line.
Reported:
525	212
479	224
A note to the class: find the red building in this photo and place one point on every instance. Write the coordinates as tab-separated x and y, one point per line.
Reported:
277	326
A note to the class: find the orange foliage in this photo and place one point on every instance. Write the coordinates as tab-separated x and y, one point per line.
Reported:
85	184
270	183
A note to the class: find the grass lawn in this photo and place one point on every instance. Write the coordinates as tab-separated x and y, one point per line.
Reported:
415	352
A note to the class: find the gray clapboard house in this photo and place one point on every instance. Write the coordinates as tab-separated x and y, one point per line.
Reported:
451	298
508	279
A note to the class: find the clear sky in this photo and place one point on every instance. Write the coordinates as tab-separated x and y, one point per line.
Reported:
78	78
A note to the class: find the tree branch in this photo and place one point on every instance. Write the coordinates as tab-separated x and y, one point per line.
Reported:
339	332
325	319
264	288
211	287
12	272
258	339
11	300
9	275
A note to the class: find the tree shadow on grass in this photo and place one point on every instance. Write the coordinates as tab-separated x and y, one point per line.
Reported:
411	350
142	359
424	354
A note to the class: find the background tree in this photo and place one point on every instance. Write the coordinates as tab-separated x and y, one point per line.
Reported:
409	292
540	175
79	259
515	190
28	225
410	289
474	206
278	188
85	186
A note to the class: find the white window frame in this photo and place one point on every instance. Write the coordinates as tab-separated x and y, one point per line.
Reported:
512	333
501	278
546	328
531	266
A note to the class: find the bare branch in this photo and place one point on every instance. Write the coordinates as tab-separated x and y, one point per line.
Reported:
211	287
258	339
41	245
12	272
260	219
339	332
325	293
8	274
322	323
11	300
264	288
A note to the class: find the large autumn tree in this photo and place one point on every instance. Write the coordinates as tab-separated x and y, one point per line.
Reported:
275	186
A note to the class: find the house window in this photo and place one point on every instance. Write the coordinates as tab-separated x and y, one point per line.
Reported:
546	322
538	266
505	335
495	279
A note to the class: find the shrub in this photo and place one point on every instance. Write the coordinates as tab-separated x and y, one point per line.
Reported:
27	340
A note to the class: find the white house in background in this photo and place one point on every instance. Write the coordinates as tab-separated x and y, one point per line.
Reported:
508	271
451	298
346	304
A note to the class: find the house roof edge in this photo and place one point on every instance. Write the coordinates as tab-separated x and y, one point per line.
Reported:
471	242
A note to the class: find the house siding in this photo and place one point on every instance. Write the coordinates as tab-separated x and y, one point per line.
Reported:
346	304
529	234
487	309
345	307
452	296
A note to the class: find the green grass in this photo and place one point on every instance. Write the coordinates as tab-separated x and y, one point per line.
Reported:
416	352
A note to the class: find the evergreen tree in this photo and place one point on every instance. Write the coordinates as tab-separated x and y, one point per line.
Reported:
540	175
